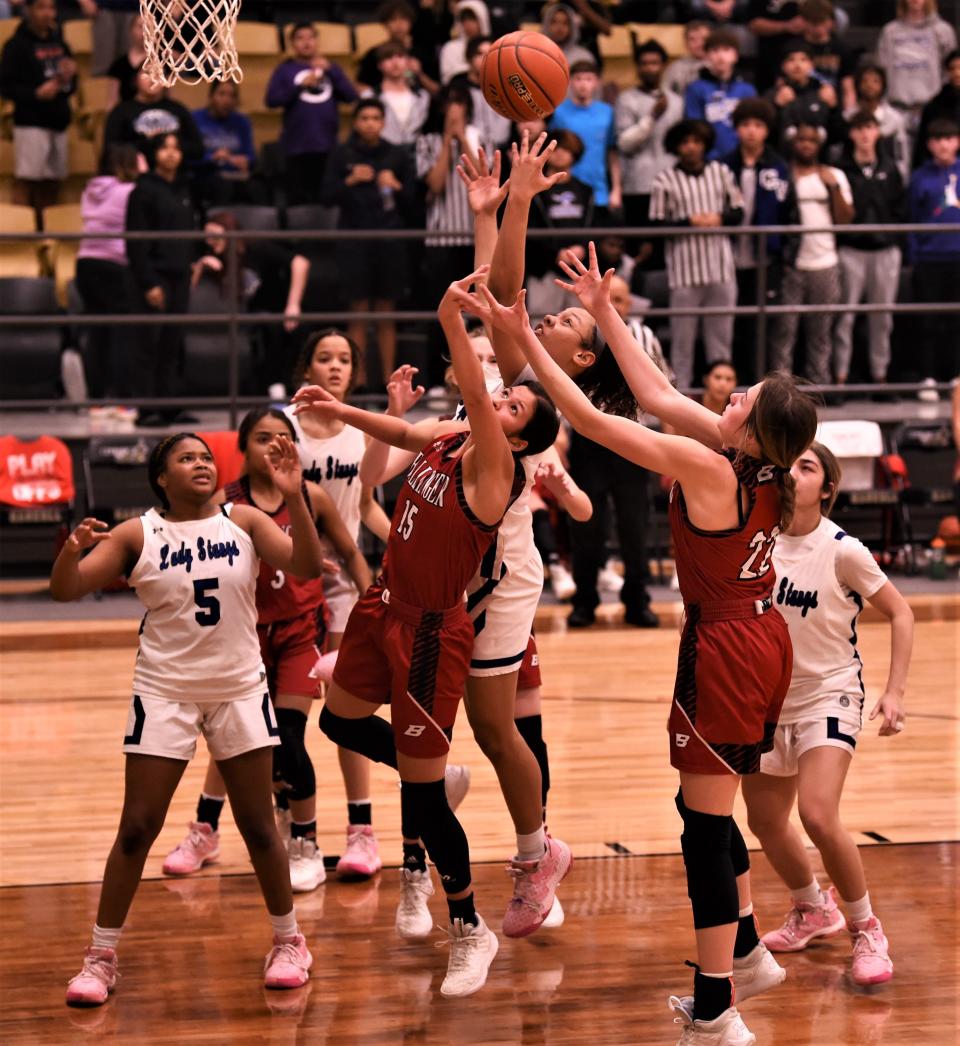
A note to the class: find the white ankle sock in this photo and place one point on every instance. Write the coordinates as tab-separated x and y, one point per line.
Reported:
809	894
533	846
106	938
285	925
744	912
859	912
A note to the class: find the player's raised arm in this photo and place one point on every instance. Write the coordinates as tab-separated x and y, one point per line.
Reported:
649	385
485	194
113	551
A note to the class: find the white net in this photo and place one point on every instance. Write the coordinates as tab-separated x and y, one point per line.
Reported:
190	40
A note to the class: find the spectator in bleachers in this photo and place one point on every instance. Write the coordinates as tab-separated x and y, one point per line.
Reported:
719	381
373	184
228	153
912	49
406	105
561	24
935	200
682	71
307	87
399	19
38	74
472	19
869	263
870	88
566	205
644	114
833	61
151	113
801	96
160	202
448	133
126	65
944	106
768	199
103	272
772	22
592	122
728	15
111	29
492	126
714	95
700	269
823	198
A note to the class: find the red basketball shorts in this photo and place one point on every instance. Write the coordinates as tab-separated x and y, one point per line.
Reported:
417	660
732	677
529	677
289	652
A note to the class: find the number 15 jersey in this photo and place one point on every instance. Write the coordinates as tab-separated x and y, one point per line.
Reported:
198	639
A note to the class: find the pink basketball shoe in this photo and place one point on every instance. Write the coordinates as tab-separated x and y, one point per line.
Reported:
201	846
96	980
535	888
871	963
804	922
361	859
288	964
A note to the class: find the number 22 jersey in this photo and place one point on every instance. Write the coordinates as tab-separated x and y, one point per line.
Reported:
198	639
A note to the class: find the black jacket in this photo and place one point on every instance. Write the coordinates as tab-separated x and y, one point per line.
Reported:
878	198
362	205
566	205
133	122
28	61
943	106
156	205
807	107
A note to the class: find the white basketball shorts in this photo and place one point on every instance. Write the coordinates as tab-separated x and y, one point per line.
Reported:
791	740
340	593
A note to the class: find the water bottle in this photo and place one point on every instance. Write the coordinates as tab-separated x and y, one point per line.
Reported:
386	199
937	563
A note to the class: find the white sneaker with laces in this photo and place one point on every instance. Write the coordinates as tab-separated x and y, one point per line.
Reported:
726	1030
414	921
306	865
608	580
555	916
284	818
456	783
472	949
752	974
561	581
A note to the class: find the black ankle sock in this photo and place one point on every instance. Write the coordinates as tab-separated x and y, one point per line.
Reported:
711	996
282	799
414	857
208	811
303	831
463	909
747	937
360	813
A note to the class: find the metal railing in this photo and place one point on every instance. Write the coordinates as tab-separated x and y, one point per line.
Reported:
233	318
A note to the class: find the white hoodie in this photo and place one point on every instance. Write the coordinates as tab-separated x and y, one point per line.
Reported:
453	54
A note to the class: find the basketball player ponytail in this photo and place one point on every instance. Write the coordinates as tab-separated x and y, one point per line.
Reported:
604	385
788	497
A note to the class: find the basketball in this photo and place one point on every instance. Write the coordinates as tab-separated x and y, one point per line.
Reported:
524	76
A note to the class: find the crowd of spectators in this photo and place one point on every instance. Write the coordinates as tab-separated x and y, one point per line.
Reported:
780	113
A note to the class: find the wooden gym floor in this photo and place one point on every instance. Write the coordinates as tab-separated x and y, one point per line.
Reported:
192	952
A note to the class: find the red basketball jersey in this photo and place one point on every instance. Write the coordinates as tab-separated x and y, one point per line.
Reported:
280	596
723	565
436	542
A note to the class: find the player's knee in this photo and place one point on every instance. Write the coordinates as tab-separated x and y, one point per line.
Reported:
763	824
137	833
494	740
292	764
819	820
259	834
711	881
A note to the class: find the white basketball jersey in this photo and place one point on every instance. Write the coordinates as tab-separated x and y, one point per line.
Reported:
515	545
198	640
334	464
822	580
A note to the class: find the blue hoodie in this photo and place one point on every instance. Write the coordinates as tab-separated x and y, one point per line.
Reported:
714	100
934	201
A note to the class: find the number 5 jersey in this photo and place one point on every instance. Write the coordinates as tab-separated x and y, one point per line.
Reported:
198	639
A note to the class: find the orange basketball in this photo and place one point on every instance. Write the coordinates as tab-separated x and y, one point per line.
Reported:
524	76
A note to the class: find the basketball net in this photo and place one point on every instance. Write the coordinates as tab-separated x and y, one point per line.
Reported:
190	41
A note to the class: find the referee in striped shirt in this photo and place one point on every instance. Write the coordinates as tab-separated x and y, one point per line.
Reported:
700	269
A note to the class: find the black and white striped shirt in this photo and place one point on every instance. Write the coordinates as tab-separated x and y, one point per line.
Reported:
693	261
449	212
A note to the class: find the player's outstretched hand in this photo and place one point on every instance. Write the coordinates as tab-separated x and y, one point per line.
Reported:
527	176
285	468
89	532
459	291
401	392
312	399
482	179
555	478
482	304
894	717
588	285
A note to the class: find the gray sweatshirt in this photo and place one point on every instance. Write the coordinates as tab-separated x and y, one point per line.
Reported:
913	54
640	137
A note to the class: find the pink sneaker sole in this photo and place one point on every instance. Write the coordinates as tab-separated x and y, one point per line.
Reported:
775	945
285	983
181	872
877	978
85	1001
357	871
526	931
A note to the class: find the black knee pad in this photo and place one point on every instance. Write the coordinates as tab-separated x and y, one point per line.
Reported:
370	736
711	882
291	761
739	854
426	813
531	730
